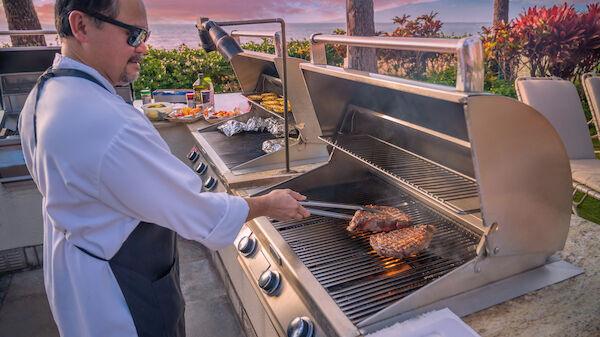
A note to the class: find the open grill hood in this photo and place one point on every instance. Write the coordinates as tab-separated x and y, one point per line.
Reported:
261	73
490	172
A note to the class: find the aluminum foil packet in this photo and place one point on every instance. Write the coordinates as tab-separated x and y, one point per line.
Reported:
231	127
255	124
273	145
275	126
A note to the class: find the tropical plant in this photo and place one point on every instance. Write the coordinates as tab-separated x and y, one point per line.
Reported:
502	49
411	63
558	41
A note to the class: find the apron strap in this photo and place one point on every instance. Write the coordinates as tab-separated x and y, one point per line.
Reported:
50	73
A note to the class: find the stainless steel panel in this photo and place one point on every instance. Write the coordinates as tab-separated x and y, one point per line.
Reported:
15	88
26	59
300	102
333	89
249	66
523	174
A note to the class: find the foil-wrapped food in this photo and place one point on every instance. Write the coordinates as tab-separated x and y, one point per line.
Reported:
273	125
255	124
273	145
231	127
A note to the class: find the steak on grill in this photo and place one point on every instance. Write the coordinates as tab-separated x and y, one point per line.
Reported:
402	243
392	218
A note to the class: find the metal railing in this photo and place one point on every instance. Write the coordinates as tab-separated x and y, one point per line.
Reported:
469	72
276	36
28	32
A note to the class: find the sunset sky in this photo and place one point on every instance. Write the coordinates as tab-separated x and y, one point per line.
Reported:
185	11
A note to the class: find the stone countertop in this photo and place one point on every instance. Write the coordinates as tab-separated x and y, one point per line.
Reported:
568	308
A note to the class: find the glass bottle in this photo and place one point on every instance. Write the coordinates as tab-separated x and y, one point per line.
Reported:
210	103
202	92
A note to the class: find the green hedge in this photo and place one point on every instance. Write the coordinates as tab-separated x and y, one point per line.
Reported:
178	68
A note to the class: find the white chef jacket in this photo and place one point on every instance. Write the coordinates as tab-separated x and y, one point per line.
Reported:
101	168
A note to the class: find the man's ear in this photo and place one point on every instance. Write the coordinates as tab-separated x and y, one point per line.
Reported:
79	25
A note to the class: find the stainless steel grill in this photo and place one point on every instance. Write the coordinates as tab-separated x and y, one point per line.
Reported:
360	281
454	158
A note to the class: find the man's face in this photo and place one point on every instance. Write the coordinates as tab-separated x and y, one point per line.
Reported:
114	57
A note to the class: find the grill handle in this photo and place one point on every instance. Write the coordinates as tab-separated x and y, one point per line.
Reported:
276	36
469	72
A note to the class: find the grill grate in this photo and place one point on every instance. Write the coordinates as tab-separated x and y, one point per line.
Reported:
428	177
361	282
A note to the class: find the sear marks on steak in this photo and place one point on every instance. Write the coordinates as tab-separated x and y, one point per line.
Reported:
402	243
391	219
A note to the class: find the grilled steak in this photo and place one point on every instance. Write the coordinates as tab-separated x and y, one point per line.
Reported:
392	218
402	243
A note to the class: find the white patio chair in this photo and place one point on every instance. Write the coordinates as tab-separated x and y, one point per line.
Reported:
591	86
559	102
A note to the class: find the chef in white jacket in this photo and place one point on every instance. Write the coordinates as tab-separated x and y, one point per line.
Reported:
113	194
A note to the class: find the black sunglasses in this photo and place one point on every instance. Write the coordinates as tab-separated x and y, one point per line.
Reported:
137	35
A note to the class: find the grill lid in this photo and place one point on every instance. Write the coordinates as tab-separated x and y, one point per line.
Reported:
479	151
257	71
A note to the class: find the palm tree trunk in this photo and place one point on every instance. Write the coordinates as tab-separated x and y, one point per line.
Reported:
21	15
360	21
500	11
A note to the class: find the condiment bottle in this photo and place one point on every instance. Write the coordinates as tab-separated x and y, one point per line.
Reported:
146	96
189	98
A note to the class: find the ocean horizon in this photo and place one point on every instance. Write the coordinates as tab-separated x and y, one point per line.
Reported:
171	36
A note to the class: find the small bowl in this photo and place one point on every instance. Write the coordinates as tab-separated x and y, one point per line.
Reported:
157	111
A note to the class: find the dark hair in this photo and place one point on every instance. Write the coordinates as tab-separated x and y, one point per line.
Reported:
62	8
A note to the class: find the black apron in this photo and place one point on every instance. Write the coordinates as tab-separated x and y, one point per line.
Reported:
146	266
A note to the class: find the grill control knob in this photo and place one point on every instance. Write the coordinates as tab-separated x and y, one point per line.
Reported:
201	168
210	183
193	155
247	245
301	327
269	281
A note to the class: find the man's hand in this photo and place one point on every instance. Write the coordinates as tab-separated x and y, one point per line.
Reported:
278	204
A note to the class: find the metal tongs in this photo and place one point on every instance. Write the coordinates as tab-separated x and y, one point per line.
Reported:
335	205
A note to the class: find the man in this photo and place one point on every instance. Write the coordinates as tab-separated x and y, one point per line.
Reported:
113	195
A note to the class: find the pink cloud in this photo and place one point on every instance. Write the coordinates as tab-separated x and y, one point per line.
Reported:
160	11
304	10
45	12
188	11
